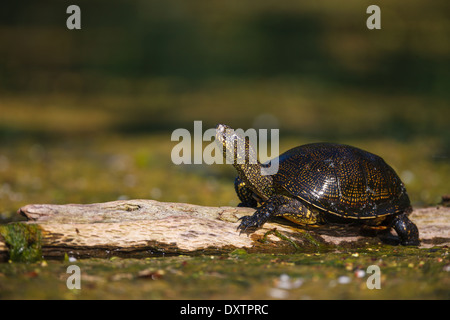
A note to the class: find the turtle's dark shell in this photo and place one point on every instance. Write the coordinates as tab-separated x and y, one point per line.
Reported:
343	180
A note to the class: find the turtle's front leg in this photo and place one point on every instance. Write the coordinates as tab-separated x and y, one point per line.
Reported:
278	205
245	194
260	217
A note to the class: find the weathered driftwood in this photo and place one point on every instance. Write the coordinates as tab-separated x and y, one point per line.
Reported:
146	227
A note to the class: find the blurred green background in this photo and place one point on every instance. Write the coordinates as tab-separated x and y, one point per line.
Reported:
87	115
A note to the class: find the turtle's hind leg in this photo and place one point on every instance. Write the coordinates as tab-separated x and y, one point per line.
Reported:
406	230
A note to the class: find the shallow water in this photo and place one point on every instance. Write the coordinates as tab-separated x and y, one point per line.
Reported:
404	273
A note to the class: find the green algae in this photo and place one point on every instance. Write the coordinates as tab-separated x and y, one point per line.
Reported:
238	252
23	241
281	236
406	273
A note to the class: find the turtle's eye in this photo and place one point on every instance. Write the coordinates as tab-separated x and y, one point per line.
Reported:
220	128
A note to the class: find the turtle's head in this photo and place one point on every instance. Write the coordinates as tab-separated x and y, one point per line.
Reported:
236	145
221	131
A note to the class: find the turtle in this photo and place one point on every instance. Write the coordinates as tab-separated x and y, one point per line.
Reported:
318	184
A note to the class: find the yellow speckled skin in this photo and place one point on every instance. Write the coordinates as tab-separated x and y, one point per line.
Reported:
322	183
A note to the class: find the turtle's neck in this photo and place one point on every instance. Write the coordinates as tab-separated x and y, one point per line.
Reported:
237	151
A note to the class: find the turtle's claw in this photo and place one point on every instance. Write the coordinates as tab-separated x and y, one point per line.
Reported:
248	222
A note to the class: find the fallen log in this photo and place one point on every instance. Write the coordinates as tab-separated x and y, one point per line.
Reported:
142	228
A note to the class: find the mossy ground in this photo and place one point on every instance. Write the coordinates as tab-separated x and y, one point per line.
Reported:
23	241
406	273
